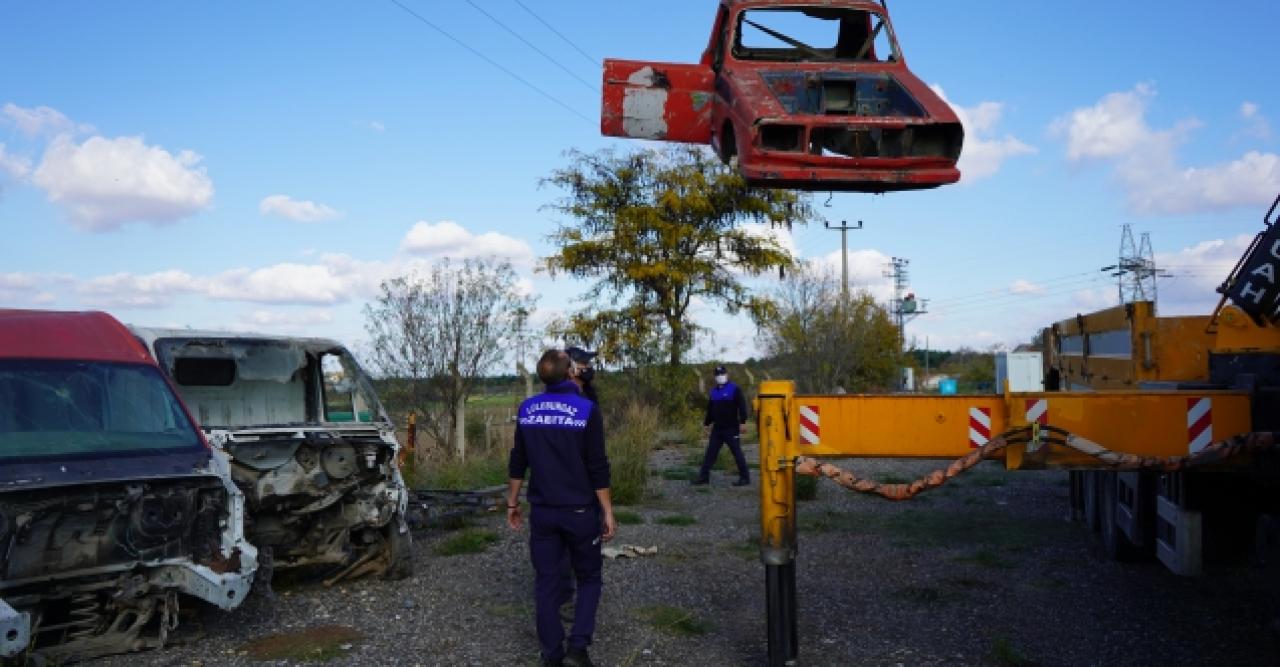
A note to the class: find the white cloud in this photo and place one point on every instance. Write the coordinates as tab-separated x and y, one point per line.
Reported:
325	280
41	120
16	166
297	210
866	271
1021	286
105	183
449	239
984	153
1196	271
1250	180
1256	125
1114	127
1145	159
126	290
282	283
285	321
18	287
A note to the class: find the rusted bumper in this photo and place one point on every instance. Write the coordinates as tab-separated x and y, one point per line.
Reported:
788	174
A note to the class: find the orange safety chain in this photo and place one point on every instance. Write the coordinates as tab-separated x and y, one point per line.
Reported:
1217	452
935	479
1248	443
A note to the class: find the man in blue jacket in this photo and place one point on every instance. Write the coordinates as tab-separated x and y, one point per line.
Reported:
560	438
726	419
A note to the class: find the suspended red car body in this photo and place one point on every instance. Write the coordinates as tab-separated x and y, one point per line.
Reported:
797	94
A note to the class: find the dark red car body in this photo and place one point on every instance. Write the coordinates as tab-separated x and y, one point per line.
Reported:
837	119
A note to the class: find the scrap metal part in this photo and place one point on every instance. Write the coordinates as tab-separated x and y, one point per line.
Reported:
15	630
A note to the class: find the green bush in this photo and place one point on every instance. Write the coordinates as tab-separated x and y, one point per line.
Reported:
477	472
630	443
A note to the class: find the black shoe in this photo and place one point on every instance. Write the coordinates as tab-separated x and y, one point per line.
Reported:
577	657
743	481
700	481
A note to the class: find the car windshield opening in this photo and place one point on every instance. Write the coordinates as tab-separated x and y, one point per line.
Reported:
58	409
820	34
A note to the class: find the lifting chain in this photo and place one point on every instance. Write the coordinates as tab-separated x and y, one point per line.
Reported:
1249	443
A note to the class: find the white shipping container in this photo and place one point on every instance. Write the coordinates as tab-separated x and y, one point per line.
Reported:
1023	370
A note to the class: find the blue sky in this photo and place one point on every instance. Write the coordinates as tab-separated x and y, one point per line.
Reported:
262	165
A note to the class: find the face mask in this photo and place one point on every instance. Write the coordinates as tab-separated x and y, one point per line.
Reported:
586	373
721	379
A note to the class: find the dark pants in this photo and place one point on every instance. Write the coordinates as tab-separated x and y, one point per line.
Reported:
724	437
553	533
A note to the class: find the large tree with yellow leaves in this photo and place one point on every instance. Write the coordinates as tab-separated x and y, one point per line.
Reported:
655	231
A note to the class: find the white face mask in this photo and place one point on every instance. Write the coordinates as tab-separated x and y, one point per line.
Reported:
721	379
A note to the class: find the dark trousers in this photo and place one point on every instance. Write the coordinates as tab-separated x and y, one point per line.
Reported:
553	533
724	437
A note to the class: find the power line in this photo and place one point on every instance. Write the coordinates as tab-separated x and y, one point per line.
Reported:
590	86
968	315
1006	291
1011	300
594	61
491	61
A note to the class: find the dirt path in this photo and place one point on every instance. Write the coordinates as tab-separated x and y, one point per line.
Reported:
986	571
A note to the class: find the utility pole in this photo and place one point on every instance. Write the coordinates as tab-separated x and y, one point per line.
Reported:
844	228
905	307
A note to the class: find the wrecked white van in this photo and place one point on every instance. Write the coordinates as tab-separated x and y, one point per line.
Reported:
111	502
311	447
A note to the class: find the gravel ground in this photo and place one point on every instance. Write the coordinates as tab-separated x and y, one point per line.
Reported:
984	571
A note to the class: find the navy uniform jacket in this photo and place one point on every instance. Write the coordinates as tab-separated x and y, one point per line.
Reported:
726	409
560	435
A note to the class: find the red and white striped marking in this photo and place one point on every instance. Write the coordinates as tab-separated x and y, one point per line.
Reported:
979	427
1199	423
1038	411
810	424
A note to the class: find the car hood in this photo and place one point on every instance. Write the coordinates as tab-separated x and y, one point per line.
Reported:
91	470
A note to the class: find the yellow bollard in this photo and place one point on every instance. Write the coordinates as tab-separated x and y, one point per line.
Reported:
775	412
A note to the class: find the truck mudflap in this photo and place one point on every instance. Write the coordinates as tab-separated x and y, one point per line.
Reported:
15	630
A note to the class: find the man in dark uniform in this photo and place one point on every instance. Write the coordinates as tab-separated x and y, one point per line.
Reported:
560	437
726	419
583	373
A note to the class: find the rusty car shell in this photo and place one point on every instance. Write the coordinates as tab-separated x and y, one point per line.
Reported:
112	505
841	119
311	447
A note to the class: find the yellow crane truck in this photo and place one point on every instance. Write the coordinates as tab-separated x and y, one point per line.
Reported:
1169	427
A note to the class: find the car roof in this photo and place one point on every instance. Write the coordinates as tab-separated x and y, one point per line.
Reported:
79	336
152	334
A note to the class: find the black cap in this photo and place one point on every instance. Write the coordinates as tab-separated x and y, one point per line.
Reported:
579	355
720	370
